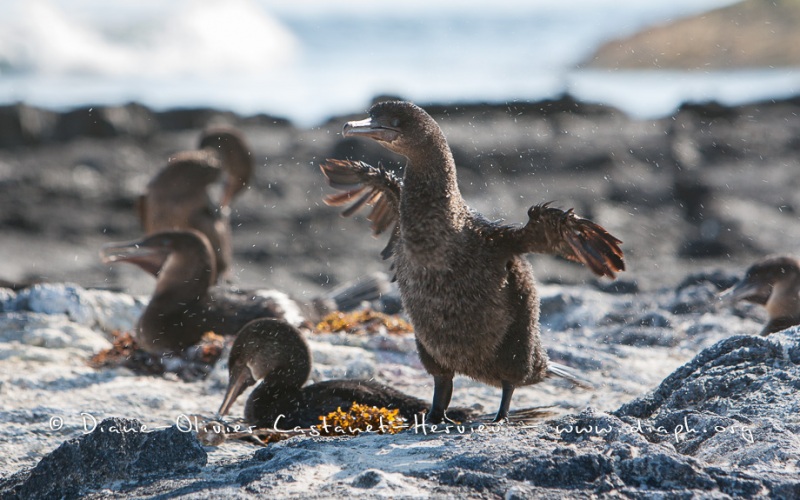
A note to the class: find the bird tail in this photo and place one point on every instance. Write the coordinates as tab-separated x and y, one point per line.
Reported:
525	416
352	294
532	414
567	373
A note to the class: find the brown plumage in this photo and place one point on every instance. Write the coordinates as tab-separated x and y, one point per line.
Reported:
185	304
177	196
276	354
235	157
464	283
774	283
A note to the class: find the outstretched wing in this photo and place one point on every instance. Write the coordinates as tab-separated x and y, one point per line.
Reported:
364	184
554	231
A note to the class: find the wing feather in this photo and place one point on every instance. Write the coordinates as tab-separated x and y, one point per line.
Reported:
380	188
554	231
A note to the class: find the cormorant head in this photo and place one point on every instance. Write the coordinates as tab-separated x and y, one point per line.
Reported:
186	174
399	126
234	154
171	252
762	277
266	348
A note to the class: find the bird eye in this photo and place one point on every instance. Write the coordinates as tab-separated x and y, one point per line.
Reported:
395	122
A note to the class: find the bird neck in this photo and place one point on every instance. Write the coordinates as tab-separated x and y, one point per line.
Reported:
430	182
784	301
287	378
283	362
280	385
239	165
184	279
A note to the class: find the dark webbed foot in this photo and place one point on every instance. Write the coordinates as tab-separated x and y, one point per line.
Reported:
431	419
505	402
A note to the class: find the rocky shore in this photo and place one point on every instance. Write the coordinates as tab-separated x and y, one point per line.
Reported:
709	186
687	400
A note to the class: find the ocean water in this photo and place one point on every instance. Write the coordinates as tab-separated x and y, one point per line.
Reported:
309	59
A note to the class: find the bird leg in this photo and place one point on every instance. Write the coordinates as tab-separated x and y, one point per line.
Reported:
442	392
505	402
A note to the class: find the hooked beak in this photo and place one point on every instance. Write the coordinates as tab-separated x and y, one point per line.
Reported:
148	258
745	290
370	129
235	388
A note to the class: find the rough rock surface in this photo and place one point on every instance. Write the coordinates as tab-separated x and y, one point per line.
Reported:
724	424
710	429
695	403
709	187
115	450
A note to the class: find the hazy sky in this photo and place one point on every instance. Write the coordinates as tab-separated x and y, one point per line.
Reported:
129	7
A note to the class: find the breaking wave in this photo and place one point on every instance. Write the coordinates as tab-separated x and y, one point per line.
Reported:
122	38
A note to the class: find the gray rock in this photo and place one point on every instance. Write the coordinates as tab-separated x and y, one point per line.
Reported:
739	374
106	121
725	406
720	426
368	479
23	125
46	337
723	425
642	336
117	449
